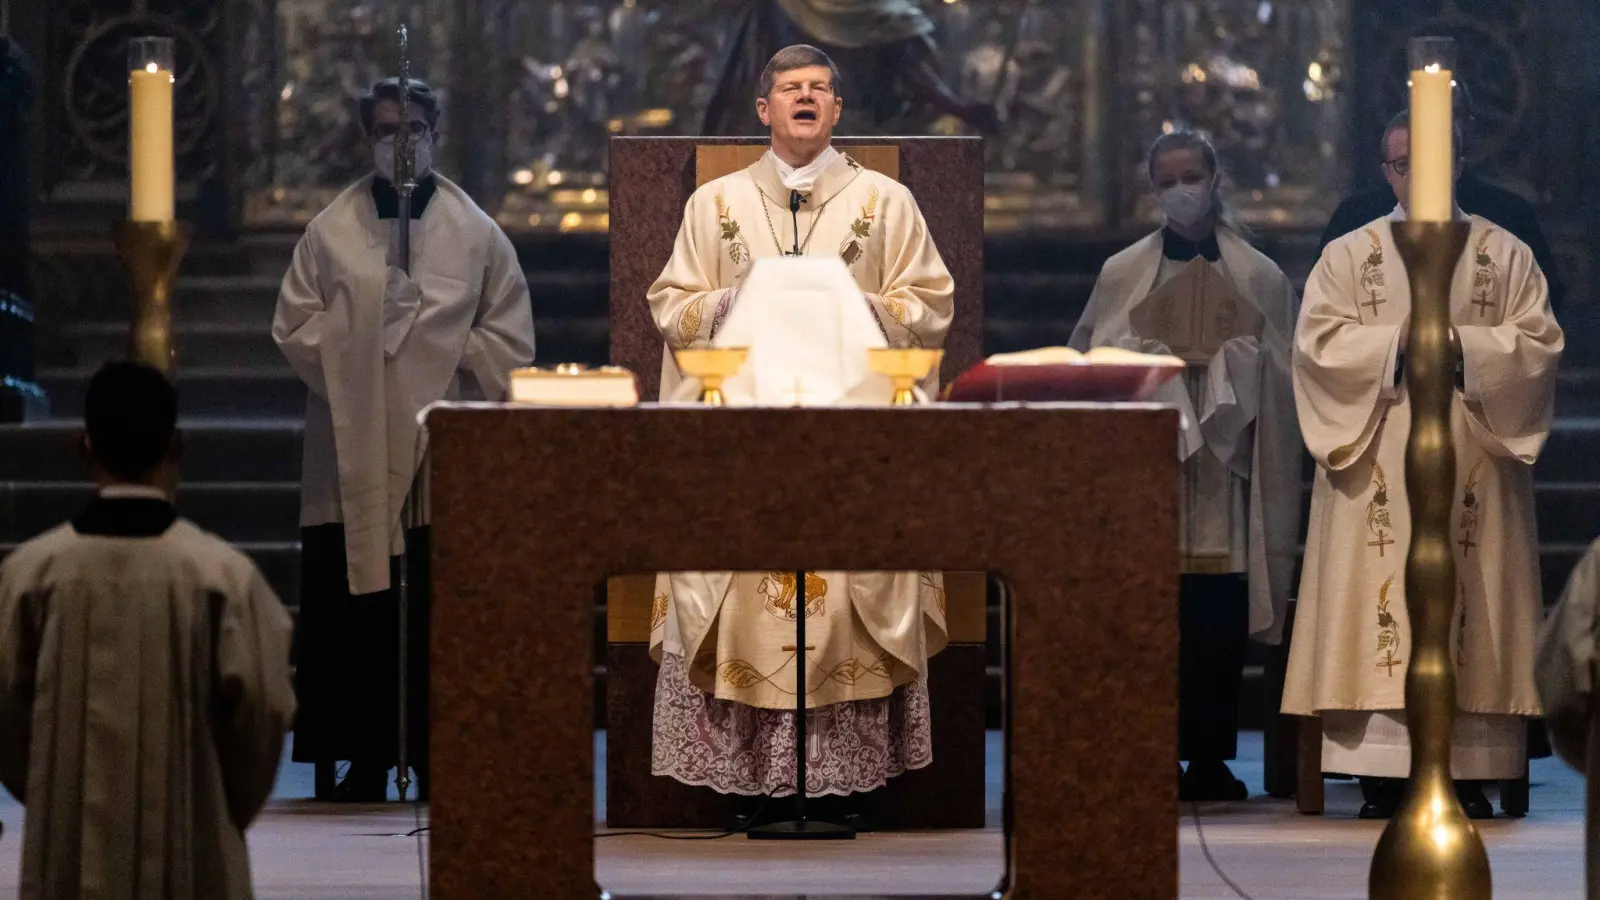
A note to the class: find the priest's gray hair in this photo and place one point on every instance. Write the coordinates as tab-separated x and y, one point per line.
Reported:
797	56
420	95
1189	139
1402	121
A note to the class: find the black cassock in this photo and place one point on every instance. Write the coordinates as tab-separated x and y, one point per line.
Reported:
346	652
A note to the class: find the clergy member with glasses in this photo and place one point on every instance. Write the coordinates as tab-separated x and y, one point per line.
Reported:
374	346
1352	639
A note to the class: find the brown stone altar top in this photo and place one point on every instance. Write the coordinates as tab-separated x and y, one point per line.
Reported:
1076	506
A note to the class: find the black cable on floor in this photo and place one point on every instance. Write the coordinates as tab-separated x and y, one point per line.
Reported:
716	836
422	855
1194	811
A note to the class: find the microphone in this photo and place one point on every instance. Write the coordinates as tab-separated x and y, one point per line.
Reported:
794	213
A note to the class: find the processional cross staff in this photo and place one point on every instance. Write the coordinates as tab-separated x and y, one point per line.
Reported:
405	183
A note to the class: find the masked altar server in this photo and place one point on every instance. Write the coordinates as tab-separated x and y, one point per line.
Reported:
374	347
1197	288
144	676
1352	638
725	694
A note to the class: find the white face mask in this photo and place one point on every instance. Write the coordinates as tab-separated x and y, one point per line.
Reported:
1185	204
383	157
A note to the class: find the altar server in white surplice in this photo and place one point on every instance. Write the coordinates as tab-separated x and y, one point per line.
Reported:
1239	444
374	347
725	695
144	677
1352	639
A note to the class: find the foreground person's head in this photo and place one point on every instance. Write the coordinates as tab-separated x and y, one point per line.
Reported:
131	426
798	99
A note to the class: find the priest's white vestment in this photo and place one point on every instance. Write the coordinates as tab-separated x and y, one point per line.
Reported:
144	698
725	632
1240	443
374	348
1352	638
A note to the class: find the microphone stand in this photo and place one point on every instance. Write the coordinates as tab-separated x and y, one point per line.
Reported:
800	828
405	183
794	214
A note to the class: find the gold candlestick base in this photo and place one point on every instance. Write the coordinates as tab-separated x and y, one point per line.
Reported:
713	366
905	366
151	252
1430	849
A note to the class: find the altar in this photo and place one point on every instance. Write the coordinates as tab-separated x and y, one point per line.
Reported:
1071	506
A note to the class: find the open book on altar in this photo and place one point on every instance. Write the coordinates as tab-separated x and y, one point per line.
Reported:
1194	312
1062	374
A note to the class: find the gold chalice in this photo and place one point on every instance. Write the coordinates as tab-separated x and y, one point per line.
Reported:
712	365
905	366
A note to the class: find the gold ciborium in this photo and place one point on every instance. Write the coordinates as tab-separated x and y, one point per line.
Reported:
151	252
905	366
713	366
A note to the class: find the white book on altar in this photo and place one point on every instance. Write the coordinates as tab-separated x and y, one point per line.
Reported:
808	327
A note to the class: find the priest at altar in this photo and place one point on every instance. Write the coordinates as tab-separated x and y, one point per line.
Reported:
1197	289
1352	638
725	695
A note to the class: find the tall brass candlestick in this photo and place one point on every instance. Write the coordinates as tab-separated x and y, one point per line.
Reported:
1430	850
150	253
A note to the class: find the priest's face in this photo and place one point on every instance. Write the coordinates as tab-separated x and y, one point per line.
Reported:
801	111
1397	165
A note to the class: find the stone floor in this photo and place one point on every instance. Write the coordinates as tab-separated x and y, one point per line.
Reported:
309	851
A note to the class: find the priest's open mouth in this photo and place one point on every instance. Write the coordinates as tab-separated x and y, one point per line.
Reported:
805	115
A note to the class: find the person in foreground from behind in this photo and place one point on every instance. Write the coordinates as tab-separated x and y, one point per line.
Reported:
1240	444
1350	650
144	677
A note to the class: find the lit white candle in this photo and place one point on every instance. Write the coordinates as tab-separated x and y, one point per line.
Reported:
150	130
1433	152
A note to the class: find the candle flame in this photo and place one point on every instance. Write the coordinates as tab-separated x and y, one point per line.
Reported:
150	67
1432	68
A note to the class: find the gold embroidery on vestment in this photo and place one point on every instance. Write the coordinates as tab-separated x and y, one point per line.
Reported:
854	244
1372	277
1486	279
853	670
742	674
738	248
778	589
1378	520
689	322
658	611
1388	631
